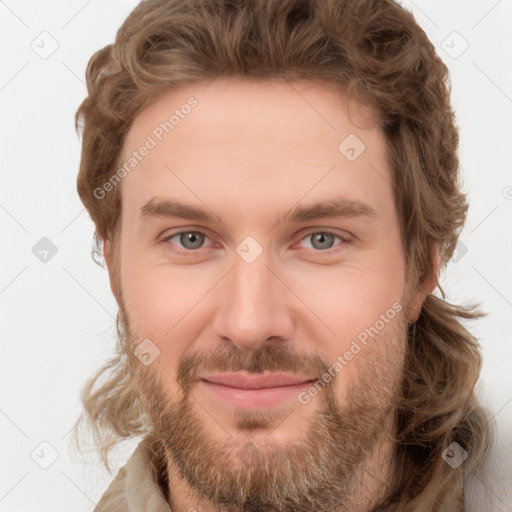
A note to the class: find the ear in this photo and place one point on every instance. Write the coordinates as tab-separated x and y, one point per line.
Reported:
425	288
109	259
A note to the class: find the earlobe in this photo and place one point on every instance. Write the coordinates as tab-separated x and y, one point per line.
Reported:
107	251
107	254
424	289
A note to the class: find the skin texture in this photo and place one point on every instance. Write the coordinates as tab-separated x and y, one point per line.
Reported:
251	151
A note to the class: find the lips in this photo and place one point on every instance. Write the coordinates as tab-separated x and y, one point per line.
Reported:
246	381
247	391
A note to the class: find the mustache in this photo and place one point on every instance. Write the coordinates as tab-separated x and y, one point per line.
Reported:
273	358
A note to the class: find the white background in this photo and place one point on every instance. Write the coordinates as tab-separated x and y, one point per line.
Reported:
57	318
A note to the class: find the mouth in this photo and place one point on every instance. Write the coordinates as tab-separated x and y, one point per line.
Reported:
248	391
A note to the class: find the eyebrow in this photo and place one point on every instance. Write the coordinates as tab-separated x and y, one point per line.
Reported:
330	208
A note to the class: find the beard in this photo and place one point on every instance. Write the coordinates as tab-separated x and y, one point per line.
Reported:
333	465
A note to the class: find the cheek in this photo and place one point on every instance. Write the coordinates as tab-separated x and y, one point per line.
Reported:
346	300
367	350
358	311
163	305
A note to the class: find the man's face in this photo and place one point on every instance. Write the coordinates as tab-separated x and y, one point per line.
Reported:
254	290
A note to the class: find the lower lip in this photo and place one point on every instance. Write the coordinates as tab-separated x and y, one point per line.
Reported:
255	398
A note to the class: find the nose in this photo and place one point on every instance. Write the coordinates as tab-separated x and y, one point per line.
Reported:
254	305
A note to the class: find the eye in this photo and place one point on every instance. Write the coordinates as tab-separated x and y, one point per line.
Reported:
323	240
189	240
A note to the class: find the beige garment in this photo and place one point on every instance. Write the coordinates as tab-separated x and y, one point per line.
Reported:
136	487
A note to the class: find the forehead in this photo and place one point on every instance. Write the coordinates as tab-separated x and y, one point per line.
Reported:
267	141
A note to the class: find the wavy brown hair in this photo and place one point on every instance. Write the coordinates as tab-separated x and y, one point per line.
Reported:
374	51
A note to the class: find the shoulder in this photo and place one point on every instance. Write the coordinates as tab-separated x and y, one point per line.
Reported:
135	487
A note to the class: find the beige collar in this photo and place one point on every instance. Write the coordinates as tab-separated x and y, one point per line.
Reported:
135	487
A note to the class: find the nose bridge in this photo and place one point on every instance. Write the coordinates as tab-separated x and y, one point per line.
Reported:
251	283
252	308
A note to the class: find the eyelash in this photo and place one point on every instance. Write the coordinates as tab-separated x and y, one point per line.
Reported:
185	252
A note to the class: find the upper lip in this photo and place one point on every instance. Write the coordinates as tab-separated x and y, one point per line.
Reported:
246	381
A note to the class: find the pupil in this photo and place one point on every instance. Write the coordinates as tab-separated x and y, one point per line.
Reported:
190	239
322	238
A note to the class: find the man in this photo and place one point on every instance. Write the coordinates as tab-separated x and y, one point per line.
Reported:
274	189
